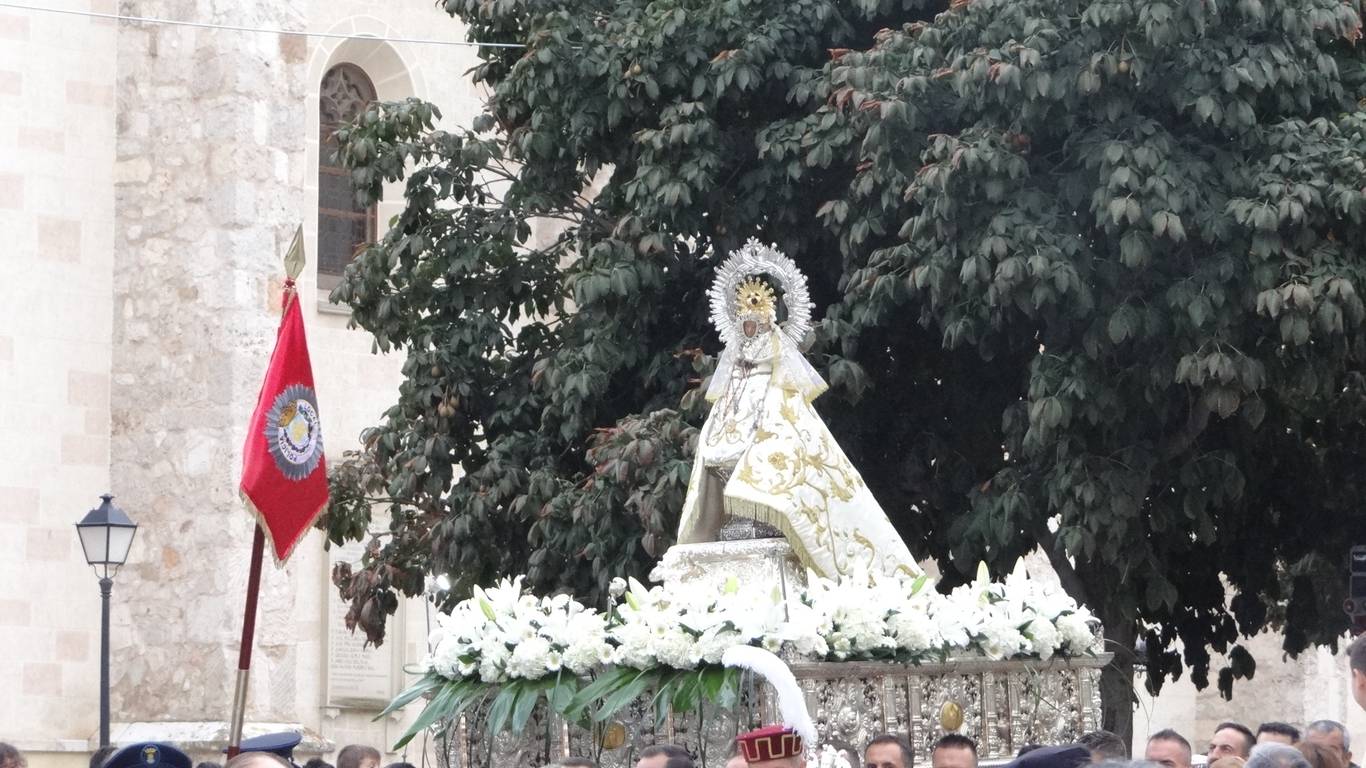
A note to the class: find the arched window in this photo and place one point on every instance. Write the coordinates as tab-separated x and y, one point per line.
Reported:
343	224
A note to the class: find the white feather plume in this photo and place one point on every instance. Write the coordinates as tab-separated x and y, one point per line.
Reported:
791	700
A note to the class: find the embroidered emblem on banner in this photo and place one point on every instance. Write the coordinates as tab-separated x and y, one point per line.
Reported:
293	432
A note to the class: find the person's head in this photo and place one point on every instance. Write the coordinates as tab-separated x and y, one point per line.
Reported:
1026	749
358	756
1356	657
100	755
1331	734
1320	756
208	764
258	760
410	765
11	757
1231	740
1060	756
953	751
1277	733
679	762
658	756
317	762
887	751
1229	762
1276	756
1104	746
1168	749
576	762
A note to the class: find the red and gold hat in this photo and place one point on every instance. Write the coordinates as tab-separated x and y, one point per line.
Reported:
772	742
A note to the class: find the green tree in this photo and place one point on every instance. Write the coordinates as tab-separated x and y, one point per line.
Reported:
1089	276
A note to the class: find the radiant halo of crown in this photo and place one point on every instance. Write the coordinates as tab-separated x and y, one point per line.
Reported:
754	296
746	264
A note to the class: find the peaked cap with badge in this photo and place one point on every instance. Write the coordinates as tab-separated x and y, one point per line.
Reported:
149	754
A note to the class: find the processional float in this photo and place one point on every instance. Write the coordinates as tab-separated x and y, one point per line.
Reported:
781	546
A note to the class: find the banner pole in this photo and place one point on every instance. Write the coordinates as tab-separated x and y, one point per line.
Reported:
239	695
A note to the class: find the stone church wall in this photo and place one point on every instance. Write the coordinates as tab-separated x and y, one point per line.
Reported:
57	115
161	173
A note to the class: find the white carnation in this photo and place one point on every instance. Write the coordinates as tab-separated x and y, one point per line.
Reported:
1043	637
530	659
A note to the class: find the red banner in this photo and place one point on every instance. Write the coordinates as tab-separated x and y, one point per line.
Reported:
284	473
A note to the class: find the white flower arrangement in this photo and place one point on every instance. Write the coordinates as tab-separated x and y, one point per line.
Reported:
504	634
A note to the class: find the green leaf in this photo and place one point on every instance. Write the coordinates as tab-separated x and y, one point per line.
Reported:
624	695
687	692
1121	325
422	687
503	703
560	695
447	703
526	703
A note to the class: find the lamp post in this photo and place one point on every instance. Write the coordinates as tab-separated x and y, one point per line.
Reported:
106	536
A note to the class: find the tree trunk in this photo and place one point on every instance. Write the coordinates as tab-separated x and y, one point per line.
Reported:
1117	697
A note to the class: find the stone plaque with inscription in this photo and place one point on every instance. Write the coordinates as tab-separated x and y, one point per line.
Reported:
358	676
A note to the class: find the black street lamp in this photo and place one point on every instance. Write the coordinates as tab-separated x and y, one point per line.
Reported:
106	536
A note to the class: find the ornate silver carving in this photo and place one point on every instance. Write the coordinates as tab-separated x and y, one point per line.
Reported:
744	528
708	566
1006	704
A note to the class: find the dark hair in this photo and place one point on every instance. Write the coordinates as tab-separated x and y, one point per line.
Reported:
665	750
352	755
400	764
1167	734
102	754
1240	728
317	762
1356	653
208	764
1284	729
8	753
955	740
577	762
678	761
907	756
1026	749
1108	745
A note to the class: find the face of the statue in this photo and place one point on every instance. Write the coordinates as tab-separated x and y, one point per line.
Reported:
750	327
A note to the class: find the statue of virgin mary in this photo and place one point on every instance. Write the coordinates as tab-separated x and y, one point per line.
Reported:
766	464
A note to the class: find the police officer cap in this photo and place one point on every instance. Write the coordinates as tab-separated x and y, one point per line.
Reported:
149	754
281	743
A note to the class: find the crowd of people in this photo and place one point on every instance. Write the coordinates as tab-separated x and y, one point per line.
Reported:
1322	744
271	751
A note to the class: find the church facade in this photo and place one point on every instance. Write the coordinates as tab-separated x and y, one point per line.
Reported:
151	177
